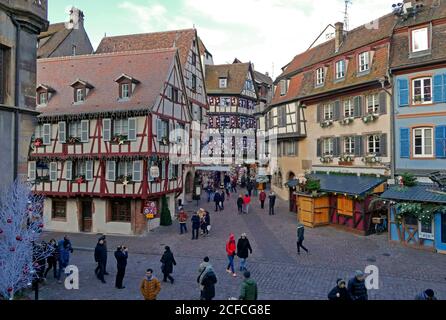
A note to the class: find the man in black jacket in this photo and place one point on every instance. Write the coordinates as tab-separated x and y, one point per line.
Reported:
121	255
340	292
243	246
195	225
272	203
357	288
300	237
100	256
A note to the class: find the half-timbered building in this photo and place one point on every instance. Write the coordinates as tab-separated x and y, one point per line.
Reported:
108	122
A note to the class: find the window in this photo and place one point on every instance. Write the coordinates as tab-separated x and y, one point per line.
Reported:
162	129
59	209
423	142
364	61
349	145
74	129
223	83
320	76
426	230
328	111
176	95
73	50
194	82
249	85
120	211
125	168
372	104
348	109
420	40
194	59
283	87
4	67
125	91
340	69
225	102
80	168
373	144
80	95
121	127
43	98
327	147
422	90
291	148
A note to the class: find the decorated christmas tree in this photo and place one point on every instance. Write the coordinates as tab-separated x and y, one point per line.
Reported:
20	229
166	218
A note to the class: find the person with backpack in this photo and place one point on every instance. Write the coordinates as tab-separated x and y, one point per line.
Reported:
207	281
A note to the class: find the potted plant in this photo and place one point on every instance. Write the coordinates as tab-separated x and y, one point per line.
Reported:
347	121
347	158
371	159
119	139
313	186
73	140
326	158
80	179
326	123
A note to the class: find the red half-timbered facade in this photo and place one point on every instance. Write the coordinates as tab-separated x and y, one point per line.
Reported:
109	121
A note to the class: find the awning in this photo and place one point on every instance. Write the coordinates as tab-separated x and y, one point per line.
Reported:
349	184
292	183
215	168
426	192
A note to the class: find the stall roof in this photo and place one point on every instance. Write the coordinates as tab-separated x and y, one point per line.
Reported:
215	168
352	185
422	193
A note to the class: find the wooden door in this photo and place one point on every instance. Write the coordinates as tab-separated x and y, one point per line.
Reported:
306	211
87	221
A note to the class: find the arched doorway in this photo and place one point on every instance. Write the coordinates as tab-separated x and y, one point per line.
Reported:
189	186
292	190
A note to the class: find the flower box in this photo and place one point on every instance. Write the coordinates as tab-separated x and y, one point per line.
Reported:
124	179
346	121
371	117
326	123
43	179
79	179
73	140
326	159
164	141
119	139
347	158
371	159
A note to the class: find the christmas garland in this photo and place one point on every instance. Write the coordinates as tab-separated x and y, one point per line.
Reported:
424	212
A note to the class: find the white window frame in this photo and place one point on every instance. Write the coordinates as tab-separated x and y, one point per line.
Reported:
53	171
327	147
320	76
121	127
106	129
76	127
85	134
349	145
349	108
125	168
328	110
32	170
424	145
420	37
283	87
80	97
291	148
373	104
89	168
43	98
62	132
125	91
46	137
137	171
364	61
373	144
423	86
223	83
340	73
426	235
132	130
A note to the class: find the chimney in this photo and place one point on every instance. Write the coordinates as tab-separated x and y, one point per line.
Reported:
76	18
339	35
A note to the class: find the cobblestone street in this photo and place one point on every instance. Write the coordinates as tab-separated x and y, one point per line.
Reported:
274	264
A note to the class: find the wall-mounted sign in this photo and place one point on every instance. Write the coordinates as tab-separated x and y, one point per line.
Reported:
154	172
150	210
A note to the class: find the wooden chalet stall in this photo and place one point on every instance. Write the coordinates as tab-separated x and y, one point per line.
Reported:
107	124
341	201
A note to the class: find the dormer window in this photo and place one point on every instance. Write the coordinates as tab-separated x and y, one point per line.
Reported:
80	95
420	39
127	85
43	95
43	98
364	61
223	83
283	87
320	76
340	69
81	90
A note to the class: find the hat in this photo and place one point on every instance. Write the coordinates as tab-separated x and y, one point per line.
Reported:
339	281
429	292
244	234
206	259
359	273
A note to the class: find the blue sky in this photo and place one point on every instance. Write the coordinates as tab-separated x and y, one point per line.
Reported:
268	33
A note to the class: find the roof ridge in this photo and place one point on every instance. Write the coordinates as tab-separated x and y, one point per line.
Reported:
147	33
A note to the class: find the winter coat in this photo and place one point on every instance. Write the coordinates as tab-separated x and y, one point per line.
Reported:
344	295
208	282
121	258
195	222
357	289
300	232
64	253
100	253
247	200
207	219
243	246
150	288
222	197
248	290
423	296
272	200
168	261
230	246
217	197
262	196
240	202
182	217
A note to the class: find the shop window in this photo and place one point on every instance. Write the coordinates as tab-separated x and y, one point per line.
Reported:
59	209
120	211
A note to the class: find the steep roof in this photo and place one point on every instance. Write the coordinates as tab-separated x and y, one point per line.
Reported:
236	74
51	39
181	39
100	70
262	78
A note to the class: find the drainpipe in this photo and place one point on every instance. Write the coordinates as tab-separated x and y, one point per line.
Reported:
16	97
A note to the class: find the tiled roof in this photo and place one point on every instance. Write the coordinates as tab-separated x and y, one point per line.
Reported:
262	78
236	74
352	185
100	70
51	39
420	193
400	41
181	39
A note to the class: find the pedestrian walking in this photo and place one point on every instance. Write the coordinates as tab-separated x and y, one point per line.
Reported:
182	219
121	256
272	203
243	250
300	238
195	225
167	263
428	294
248	290
207	222
105	260
222	200
356	287
240	203
340	292
100	255
150	286
246	202
201	268
65	249
230	251
207	280
262	198
52	258
217	200
234	185
249	187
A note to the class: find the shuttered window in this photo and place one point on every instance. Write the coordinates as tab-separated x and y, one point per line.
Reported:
53	171
89	170
440	142
404	143
132	129
106	129
31	171
403	92
85	131
111	171
439	88
62	132
46	134
69	170
137	169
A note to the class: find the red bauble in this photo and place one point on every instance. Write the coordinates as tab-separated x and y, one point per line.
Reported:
18	238
9	220
9	289
40	225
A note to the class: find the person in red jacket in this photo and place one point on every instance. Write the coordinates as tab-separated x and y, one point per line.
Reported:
262	198
246	202
230	251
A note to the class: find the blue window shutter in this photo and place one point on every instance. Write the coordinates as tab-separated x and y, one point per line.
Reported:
444	87
440	142
438	88
403	92
404	142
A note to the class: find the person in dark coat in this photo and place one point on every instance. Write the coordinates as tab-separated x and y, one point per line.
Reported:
249	187
356	287
65	249
262	198
300	238
217	199
121	255
340	292
52	258
195	225
207	222
207	283
272	203
428	294
167	263
222	200
243	247
100	256
240	204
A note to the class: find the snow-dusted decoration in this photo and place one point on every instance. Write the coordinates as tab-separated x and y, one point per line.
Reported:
21	225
